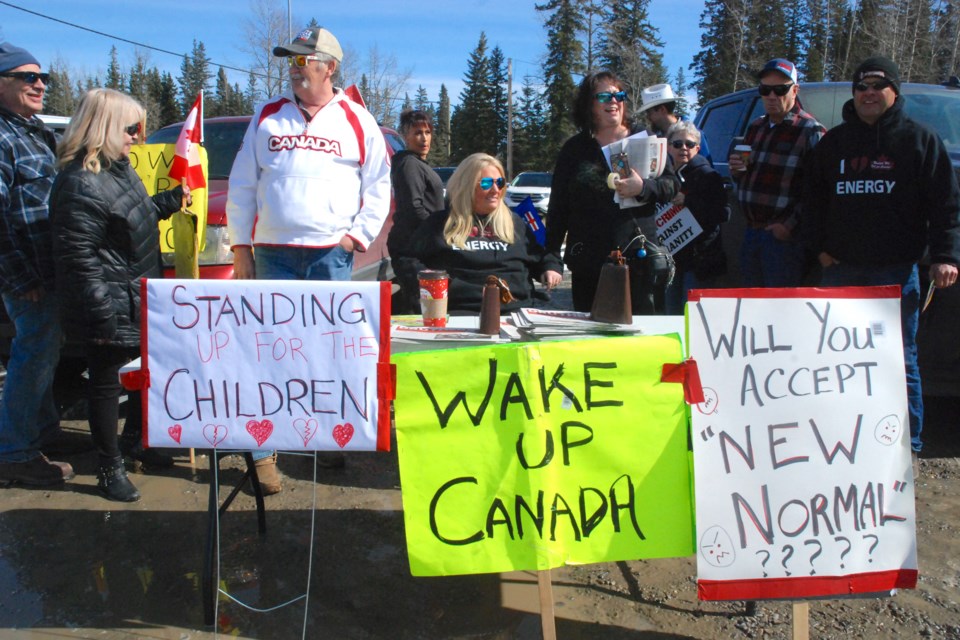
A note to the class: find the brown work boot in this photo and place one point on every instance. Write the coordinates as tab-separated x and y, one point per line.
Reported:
268	475
38	472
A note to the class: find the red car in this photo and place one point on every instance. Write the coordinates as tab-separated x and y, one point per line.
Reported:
222	138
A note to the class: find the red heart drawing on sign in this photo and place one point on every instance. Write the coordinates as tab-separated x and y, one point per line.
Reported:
215	433
306	428
260	430
175	432
342	433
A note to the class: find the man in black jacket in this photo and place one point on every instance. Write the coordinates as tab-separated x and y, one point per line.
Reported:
880	191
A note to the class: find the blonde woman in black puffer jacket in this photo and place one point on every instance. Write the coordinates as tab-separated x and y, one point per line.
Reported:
105	240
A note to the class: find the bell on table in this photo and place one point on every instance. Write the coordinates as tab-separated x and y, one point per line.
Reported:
495	292
612	300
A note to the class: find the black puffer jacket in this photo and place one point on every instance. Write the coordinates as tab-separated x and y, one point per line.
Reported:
105	239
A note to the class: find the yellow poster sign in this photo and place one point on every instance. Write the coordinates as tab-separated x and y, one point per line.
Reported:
152	163
533	456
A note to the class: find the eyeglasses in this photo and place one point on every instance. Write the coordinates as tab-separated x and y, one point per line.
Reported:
680	144
133	129
30	77
487	183
300	61
879	85
606	96
778	89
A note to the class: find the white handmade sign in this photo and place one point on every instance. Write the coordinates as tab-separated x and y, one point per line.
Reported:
290	365
804	484
676	227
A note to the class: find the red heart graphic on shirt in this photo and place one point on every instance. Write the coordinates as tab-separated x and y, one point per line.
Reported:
260	430
175	432
342	433
306	428
215	434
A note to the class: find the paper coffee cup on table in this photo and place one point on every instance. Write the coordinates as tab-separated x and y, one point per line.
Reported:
434	286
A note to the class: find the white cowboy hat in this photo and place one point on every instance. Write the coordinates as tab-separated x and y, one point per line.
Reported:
656	95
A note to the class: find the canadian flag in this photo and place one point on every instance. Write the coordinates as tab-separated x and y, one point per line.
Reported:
186	160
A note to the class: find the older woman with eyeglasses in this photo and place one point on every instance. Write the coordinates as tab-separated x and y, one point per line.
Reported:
701	191
105	239
480	236
582	210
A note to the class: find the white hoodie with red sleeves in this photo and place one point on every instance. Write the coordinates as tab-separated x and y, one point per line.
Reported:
308	184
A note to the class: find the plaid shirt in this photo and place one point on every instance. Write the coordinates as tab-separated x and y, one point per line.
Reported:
769	190
27	170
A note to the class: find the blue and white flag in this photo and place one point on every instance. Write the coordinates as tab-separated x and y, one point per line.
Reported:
531	216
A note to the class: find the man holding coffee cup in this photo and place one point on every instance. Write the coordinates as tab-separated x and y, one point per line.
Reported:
768	169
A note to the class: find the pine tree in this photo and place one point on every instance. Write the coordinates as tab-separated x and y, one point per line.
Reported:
115	79
440	148
530	133
498	83
222	102
421	102
194	76
169	107
629	46
564	56
59	99
474	124
680	88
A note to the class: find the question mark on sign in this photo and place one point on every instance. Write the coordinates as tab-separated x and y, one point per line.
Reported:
876	541
763	564
845	551
788	553
815	553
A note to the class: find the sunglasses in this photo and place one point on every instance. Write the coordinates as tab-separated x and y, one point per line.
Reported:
30	77
879	85
606	96
486	183
778	89
680	144
300	61
133	130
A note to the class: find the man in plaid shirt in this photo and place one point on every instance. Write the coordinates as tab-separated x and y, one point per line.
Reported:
770	181
28	415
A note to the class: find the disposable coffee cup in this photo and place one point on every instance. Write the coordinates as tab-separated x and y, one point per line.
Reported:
434	286
744	151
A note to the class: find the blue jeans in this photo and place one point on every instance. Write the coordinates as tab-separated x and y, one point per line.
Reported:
28	413
768	262
300	263
908	277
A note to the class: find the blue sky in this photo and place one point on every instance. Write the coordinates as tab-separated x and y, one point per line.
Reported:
431	38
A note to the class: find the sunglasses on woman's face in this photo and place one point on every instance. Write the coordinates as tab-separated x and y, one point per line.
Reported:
133	130
779	89
606	96
680	144
30	77
487	183
300	61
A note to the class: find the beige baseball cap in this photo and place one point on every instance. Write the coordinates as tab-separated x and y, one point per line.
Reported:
310	41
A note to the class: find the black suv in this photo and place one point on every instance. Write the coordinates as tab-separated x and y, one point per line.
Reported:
938	107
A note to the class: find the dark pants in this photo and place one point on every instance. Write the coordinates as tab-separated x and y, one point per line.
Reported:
907	276
103	399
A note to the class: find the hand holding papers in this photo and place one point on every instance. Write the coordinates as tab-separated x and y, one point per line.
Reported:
647	155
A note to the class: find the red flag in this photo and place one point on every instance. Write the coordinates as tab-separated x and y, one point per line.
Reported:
186	159
353	93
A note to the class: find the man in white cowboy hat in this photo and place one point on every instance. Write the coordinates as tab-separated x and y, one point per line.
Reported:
658	104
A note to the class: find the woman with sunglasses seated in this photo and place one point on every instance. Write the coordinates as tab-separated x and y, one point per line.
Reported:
701	191
582	209
105	239
480	236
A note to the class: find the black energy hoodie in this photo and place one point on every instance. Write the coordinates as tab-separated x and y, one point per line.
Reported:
880	194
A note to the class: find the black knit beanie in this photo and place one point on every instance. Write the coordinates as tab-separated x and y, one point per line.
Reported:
879	67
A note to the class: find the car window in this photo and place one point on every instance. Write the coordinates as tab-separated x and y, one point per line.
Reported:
940	111
220	139
444	173
394	140
721	122
824	103
533	180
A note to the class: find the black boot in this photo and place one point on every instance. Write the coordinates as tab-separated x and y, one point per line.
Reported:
113	482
